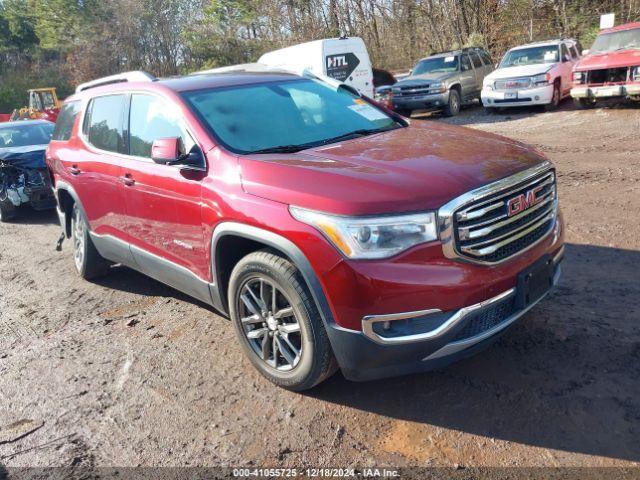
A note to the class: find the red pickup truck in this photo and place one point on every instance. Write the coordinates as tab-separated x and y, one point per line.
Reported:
611	69
333	233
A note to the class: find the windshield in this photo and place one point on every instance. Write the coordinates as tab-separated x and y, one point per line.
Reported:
304	113
530	56
436	65
25	135
617	41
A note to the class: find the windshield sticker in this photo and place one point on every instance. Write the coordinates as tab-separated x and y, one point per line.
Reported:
449	59
550	55
368	112
359	101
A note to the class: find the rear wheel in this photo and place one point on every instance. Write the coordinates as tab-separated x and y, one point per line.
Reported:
88	261
7	210
453	107
582	103
277	322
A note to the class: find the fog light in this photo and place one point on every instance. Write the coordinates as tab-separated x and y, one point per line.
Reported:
537	98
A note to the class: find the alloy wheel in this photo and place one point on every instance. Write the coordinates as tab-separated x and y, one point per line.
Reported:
78	240
269	323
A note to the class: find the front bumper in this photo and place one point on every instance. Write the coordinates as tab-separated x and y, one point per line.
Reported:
606	92
421	102
368	355
41	198
530	96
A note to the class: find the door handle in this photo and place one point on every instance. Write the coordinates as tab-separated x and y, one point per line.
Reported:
74	170
128	180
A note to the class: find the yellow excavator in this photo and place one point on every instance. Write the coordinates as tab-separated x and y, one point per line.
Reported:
43	104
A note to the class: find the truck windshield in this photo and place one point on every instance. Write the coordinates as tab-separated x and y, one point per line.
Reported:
285	116
436	65
623	40
530	56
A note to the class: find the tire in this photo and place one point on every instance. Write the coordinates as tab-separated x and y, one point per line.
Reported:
584	103
87	260
289	346
8	211
555	100
453	106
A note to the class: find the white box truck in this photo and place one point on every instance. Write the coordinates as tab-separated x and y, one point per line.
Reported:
344	59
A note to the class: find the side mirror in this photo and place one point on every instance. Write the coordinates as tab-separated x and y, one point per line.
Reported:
585	52
165	150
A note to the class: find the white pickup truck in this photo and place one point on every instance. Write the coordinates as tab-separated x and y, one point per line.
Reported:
533	74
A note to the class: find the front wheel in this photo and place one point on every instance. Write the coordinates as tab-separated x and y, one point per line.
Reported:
555	99
277	322
582	103
88	261
7	211
453	106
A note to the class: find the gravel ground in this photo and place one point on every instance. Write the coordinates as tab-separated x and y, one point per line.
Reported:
128	372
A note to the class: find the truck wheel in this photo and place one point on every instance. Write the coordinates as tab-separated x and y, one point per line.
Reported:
277	322
555	99
453	107
582	103
7	211
88	261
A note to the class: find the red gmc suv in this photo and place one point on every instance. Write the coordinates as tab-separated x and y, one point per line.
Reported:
334	233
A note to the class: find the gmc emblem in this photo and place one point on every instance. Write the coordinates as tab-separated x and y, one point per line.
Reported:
523	201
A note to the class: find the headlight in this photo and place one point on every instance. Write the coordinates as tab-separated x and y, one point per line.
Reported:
540	80
488	84
371	237
438	87
579	77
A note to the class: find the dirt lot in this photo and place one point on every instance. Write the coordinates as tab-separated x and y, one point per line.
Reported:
129	372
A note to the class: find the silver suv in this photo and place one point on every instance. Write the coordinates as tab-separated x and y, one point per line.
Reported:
443	81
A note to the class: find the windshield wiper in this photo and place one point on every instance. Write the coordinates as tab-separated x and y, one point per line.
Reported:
281	149
363	132
297	148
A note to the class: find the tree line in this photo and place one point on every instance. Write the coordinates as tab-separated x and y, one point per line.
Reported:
65	42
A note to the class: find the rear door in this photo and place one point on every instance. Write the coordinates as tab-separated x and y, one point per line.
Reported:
479	69
95	170
162	201
468	80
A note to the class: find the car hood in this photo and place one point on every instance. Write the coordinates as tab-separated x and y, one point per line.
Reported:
620	58
422	79
520	71
31	156
419	167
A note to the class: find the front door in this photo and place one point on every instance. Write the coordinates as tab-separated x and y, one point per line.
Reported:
162	201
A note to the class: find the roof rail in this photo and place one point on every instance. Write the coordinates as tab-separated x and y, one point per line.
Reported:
134	76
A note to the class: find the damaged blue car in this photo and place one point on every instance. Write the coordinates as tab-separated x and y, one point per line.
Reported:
24	178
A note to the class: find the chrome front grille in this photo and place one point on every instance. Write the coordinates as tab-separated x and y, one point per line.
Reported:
512	83
500	220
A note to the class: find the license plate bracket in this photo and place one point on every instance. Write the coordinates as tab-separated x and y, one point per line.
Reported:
534	282
510	95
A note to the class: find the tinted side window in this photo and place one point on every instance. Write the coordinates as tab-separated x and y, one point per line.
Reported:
66	119
151	118
466	63
104	125
475	59
565	52
486	58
